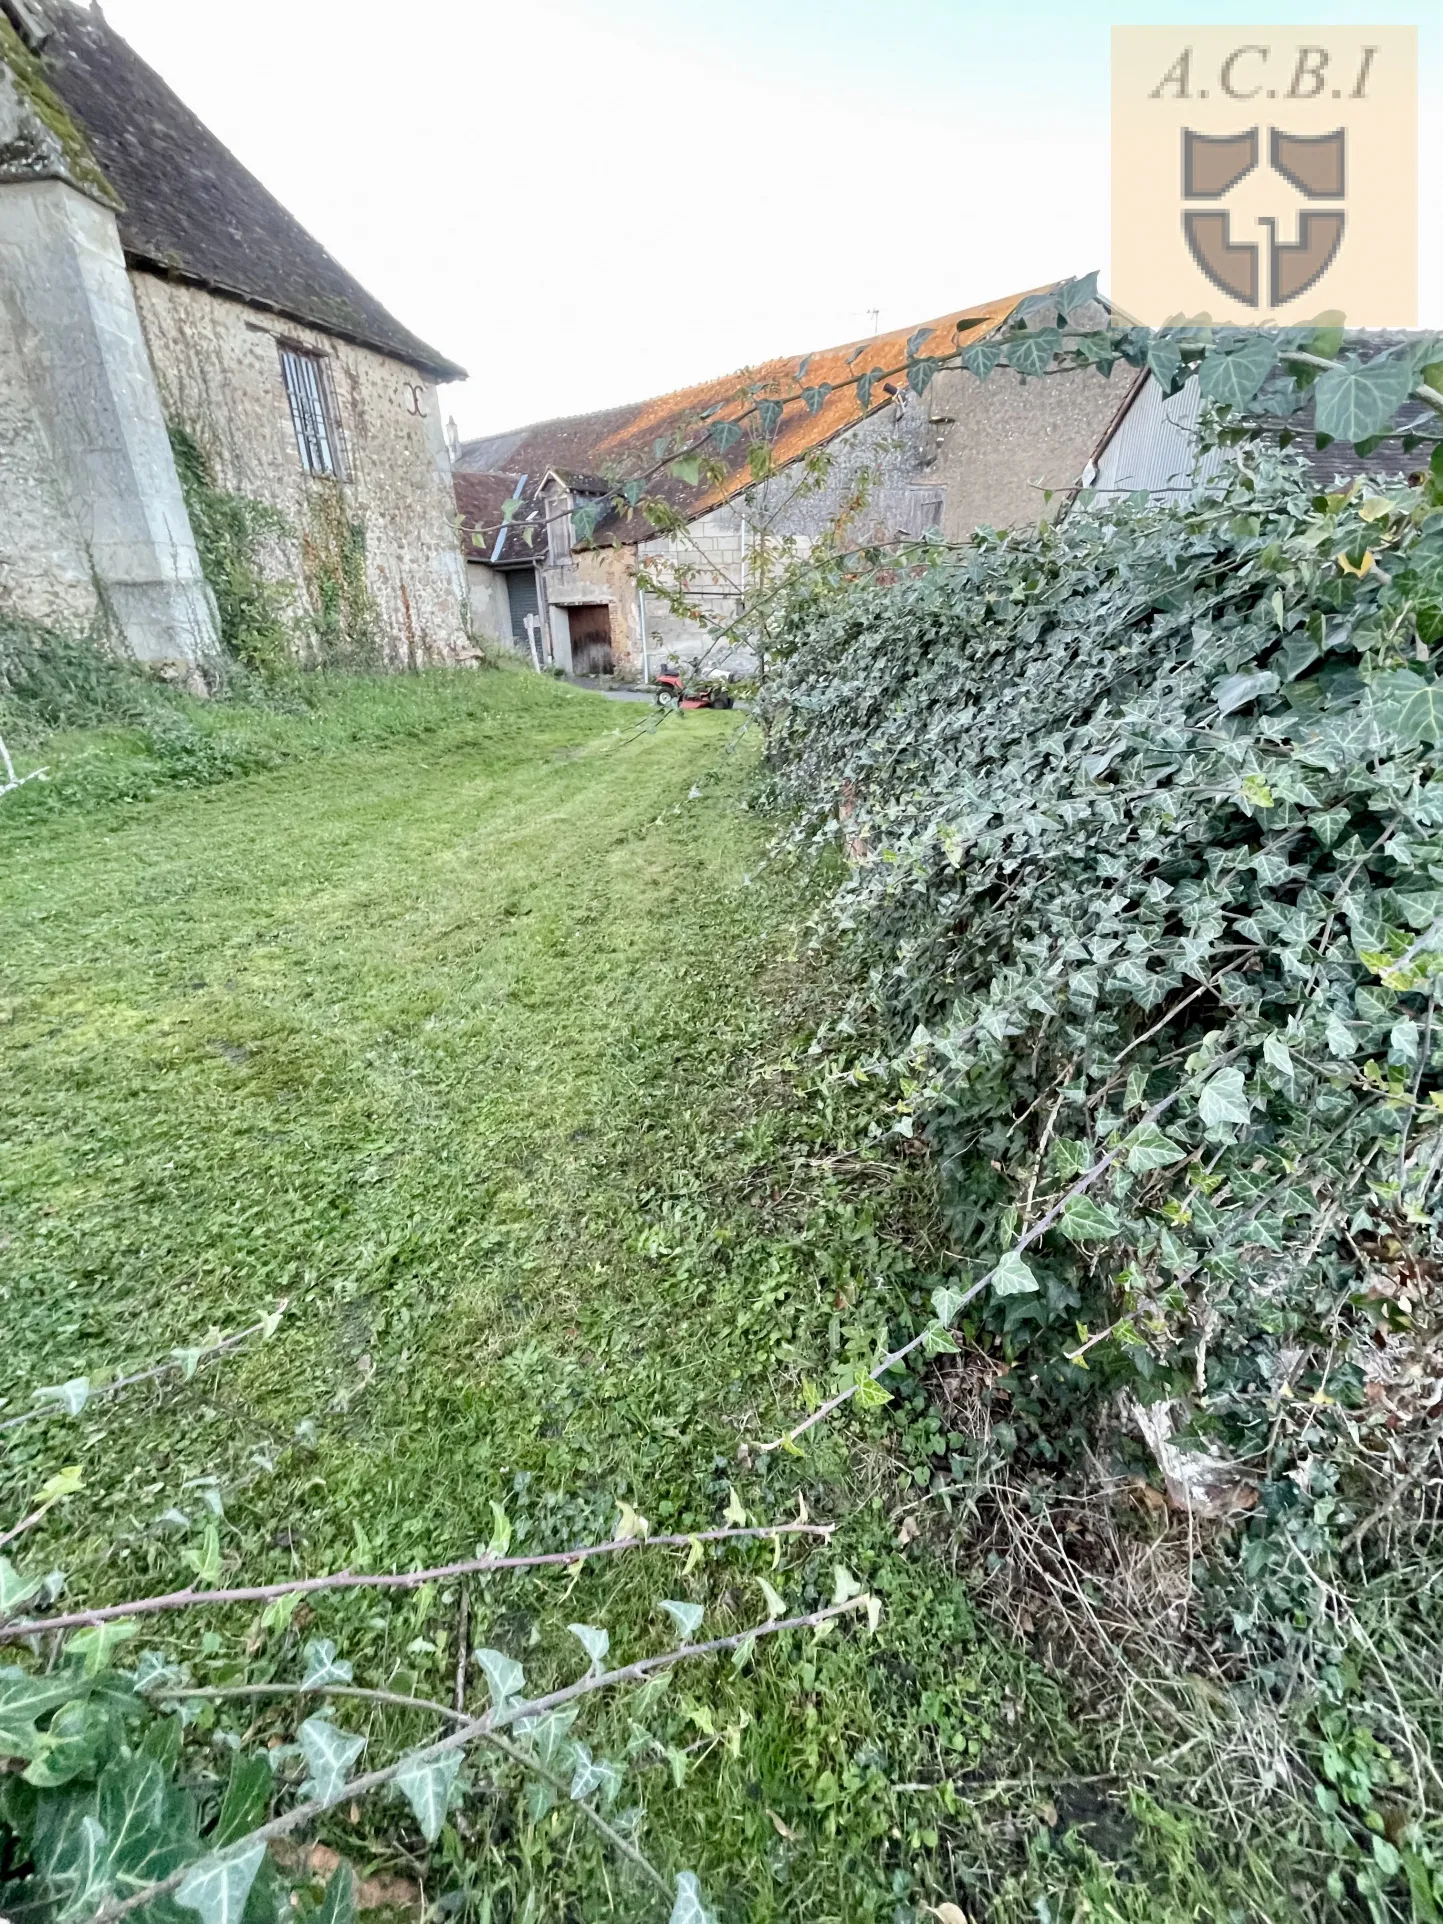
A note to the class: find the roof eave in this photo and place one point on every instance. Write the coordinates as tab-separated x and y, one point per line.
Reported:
438	369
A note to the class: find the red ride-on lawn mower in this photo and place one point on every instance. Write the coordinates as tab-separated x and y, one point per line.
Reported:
673	691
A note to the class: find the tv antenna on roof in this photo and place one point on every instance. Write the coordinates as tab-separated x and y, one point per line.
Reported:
876	316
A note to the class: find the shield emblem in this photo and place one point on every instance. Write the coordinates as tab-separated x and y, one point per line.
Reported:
1313	165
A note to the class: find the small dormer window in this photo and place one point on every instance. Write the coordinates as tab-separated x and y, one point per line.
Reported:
314	414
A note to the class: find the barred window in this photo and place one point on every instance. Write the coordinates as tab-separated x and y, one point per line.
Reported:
313	412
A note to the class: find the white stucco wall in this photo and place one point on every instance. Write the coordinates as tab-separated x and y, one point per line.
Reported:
217	363
490	609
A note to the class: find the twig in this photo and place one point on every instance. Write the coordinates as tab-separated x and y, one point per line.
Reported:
491	1737
469	1732
157	1370
393	1580
28	1523
463	1638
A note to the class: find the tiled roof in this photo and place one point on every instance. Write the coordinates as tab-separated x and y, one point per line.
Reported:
622	441
190	209
486	535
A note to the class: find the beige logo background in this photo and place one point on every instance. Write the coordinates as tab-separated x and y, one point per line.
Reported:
1265	174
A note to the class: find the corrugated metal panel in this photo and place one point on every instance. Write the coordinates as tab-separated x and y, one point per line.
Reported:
1156	448
521	595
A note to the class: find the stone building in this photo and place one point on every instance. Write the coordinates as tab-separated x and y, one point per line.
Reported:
963	454
153	295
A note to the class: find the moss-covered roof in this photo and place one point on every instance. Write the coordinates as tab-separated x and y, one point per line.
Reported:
189	208
54	146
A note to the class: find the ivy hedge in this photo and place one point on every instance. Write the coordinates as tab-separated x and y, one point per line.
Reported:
1145	819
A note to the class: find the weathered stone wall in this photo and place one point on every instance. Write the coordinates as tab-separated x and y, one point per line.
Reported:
217	363
93	528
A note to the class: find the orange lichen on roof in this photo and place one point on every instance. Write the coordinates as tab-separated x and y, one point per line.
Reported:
621	442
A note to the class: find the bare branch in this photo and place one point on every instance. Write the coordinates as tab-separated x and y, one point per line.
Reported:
394	1580
169	1367
480	1727
458	1716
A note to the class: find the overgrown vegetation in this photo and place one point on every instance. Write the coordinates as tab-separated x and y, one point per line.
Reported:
231	531
1144	814
345	621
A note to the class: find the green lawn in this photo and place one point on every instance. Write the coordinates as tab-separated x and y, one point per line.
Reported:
457	1014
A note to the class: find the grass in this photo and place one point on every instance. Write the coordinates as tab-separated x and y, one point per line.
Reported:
457	1011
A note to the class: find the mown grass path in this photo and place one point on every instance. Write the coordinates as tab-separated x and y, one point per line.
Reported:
460	1031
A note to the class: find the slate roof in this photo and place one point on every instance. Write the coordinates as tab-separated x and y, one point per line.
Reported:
621	440
191	209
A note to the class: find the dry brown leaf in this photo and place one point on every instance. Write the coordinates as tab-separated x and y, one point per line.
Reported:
785	1830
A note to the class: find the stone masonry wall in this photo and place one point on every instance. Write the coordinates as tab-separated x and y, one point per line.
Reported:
217	363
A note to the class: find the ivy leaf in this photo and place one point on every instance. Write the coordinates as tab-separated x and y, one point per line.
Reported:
725	434
338	1906
505	1678
15	1589
323	1667
1356	400
593	1773
1278	1056
205	1561
94	1646
1340	1039
920	374
816	397
65	1483
23	1698
687	468
547	1736
247	1800
1164	361
688	1908
945	1305
1012	1277
743	1653
1083	1222
775	1606
77	1861
1075	294
425	1783
735	1511
500	1531
1233	379
70	1397
330	1752
219	1886
769	415
1148	1148
631	1525
595	1642
1236	691
686	1616
915	340
983	358
844	1585
1034	353
1224	1100
1409	705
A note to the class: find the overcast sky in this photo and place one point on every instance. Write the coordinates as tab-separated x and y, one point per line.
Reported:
592	201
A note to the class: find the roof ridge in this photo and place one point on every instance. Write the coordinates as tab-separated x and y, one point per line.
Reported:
740	374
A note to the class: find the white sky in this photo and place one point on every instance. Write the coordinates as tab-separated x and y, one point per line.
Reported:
592	201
